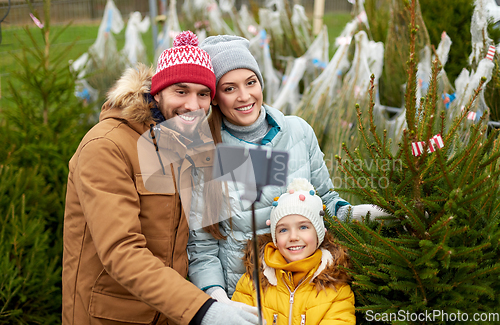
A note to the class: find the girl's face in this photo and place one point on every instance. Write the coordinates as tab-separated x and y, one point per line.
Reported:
239	96
296	237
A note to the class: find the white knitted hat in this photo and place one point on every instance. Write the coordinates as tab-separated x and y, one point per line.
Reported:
300	198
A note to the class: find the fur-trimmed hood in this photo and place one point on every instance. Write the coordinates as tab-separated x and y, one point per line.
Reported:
328	273
127	99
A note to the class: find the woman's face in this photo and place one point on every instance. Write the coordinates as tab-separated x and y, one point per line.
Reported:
239	96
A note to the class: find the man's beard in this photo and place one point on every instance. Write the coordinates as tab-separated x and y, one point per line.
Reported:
188	125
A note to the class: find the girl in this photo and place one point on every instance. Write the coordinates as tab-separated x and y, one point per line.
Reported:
300	277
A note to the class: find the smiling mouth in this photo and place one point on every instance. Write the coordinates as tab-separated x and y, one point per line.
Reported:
245	108
187	118
295	248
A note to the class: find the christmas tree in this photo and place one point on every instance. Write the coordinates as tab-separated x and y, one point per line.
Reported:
436	257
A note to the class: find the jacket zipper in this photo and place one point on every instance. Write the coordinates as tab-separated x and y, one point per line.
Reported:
303	319
152	134
292	295
275	319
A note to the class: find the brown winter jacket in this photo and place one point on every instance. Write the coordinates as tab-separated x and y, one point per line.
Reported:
125	257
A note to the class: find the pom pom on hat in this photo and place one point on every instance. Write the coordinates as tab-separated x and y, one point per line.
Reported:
183	62
300	199
186	38
300	184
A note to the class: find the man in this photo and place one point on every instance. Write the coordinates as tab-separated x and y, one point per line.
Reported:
125	259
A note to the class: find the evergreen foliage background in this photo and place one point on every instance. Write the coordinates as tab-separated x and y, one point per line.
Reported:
440	248
453	17
388	23
29	263
40	131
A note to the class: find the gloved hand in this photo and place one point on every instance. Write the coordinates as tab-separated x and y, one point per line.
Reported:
222	314
361	210
220	295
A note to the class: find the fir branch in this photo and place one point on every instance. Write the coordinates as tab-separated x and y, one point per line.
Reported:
458	122
482	272
404	184
471	167
420	285
362	131
410	96
406	152
366	285
381	202
476	196
370	111
404	286
427	256
394	269
490	161
352	235
465	155
470	250
478	182
378	307
432	202
442	117
355	180
374	272
410	241
351	160
431	98
438	226
438	176
409	213
497	207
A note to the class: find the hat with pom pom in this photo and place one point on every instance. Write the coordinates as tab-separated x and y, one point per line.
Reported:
300	198
183	62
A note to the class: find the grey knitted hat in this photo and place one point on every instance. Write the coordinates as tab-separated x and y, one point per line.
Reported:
229	52
300	199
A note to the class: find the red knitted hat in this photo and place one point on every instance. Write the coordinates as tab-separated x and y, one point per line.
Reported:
183	62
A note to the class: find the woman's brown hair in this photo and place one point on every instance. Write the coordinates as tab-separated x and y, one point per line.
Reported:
215	123
215	199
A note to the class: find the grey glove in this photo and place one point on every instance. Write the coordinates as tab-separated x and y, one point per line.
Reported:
222	314
357	212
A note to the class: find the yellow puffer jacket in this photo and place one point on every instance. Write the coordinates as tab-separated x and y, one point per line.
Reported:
322	297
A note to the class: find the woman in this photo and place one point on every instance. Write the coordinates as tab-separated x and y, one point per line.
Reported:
239	117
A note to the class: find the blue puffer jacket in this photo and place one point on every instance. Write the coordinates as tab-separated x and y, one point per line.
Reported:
219	262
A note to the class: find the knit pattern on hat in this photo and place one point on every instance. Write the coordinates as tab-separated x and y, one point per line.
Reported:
229	53
184	62
300	199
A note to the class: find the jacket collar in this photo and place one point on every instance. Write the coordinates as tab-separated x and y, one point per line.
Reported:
276	119
127	99
270	273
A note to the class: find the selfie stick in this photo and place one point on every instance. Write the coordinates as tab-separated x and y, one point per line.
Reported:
256	270
257	167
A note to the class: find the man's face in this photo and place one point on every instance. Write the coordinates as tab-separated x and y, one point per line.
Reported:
179	100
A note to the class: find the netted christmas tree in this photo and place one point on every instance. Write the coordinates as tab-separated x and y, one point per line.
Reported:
439	250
